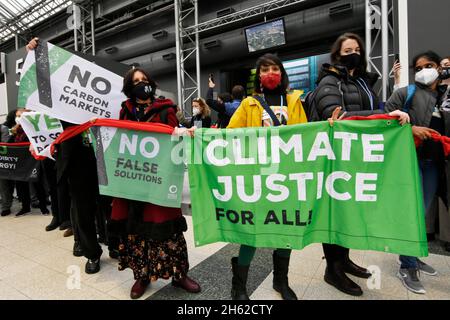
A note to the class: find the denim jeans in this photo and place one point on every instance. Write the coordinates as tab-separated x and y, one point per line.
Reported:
429	173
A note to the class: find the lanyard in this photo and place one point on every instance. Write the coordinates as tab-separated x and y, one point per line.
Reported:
366	90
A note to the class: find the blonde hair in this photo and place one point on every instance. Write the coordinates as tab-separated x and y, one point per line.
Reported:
204	108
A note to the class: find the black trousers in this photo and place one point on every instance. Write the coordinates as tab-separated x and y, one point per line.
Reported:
334	253
49	171
83	186
112	238
23	192
64	201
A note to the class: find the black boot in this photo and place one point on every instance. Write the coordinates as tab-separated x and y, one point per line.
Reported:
53	225
353	269
239	281
23	211
77	250
335	276
280	277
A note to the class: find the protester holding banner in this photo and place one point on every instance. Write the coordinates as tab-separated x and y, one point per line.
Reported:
346	84
270	106
76	161
444	215
5	185
200	115
23	187
423	101
152	242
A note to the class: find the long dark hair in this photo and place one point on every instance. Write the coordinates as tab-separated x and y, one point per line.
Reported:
336	52
268	60
11	119
429	55
128	81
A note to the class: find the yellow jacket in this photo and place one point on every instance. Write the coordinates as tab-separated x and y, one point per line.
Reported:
249	113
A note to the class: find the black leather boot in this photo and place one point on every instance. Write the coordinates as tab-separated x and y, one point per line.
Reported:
280	277
239	281
335	276
353	269
53	225
77	250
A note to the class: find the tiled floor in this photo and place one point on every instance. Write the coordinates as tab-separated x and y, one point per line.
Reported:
35	264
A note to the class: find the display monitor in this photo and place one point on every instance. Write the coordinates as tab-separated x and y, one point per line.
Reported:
266	35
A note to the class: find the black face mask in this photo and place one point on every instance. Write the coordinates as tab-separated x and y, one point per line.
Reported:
351	62
445	74
142	91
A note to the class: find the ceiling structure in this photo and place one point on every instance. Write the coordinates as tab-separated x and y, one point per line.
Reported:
18	16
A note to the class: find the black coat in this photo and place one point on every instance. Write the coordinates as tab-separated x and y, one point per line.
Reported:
74	152
205	122
222	118
336	88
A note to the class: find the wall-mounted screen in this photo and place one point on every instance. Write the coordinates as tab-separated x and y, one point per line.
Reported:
266	35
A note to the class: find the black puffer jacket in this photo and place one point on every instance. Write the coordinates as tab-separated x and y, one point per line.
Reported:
337	88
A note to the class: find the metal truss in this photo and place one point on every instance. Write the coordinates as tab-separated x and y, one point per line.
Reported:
379	22
242	15
187	46
83	25
187	39
18	16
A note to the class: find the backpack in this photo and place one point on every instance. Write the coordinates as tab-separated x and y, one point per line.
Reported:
310	108
409	98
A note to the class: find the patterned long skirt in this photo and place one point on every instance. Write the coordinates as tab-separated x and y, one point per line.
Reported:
151	259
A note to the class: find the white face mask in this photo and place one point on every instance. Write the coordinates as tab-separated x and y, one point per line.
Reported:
427	76
17	120
195	111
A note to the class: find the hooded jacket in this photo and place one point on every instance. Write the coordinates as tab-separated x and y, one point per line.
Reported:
422	105
249	113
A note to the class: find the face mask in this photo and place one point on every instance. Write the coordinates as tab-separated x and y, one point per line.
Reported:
142	91
195	111
270	80
445	74
352	61
427	76
17	120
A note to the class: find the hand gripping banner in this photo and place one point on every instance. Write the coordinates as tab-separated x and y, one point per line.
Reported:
355	184
135	160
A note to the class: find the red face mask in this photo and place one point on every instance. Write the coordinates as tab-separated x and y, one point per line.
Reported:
270	80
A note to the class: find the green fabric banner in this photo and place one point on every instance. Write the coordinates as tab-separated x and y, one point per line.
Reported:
135	162
355	184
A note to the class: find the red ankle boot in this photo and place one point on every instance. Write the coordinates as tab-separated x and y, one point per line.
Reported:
138	288
187	284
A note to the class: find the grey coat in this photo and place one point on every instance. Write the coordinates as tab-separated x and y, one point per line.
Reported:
421	112
422	106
